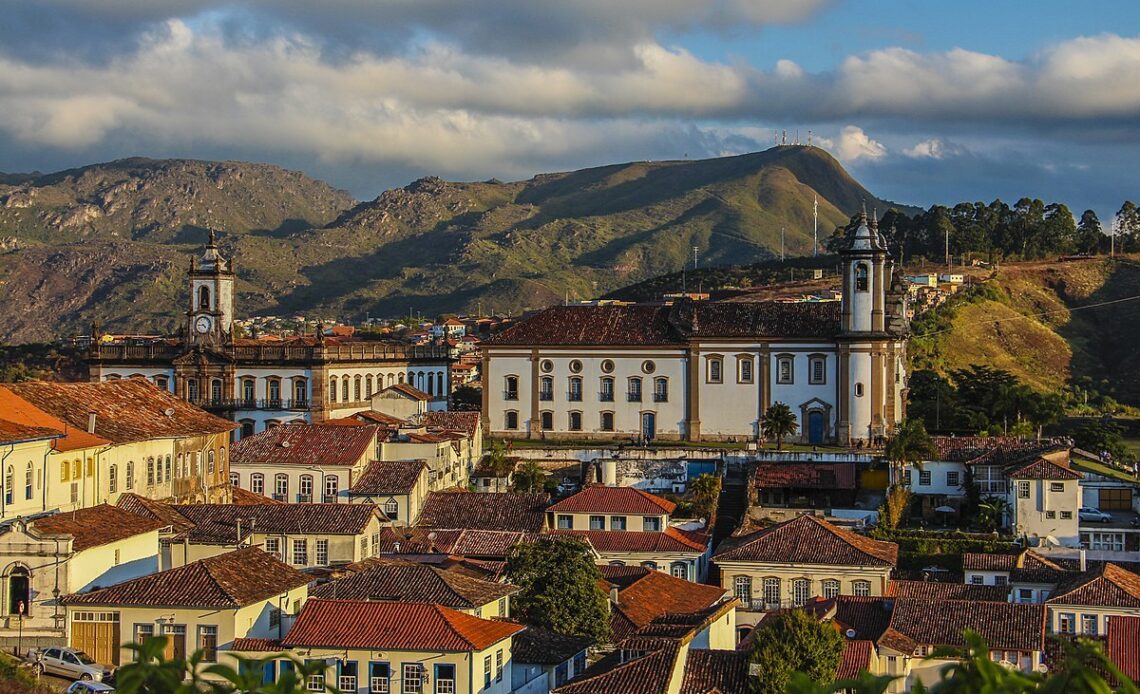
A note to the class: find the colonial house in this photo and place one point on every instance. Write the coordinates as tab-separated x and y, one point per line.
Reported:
1031	576
117	437
68	552
398	487
30	441
401	400
788	564
261	383
627	526
1086	603
544	660
516	513
382	646
205	605
405	581
1044	498
305	463
639	595
708	370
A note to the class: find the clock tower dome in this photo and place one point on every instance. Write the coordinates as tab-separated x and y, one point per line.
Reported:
211	314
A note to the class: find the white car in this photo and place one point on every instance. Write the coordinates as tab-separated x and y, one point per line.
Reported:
69	662
1088	513
89	687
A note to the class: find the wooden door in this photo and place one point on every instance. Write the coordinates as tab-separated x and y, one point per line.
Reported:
98	639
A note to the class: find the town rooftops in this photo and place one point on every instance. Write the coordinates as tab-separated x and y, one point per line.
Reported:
715	672
933	590
600	499
465	422
485	511
393	626
805	475
1004	626
95	526
1107	586
219	523
385	420
541	646
990	450
1026	567
383	477
810	540
646	594
673	324
225	581
125	410
403	581
306	444
856	659
21	421
668	540
407	391
1042	469
647	674
1123	645
460	542
157	510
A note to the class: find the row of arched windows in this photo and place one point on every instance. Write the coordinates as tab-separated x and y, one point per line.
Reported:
362	386
10	483
305	488
771	594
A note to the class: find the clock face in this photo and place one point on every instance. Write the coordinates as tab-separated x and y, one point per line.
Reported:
202	324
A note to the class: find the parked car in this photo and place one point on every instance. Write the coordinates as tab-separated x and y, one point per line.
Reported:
89	687
1088	513
69	662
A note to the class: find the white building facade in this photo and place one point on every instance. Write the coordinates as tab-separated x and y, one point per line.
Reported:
694	370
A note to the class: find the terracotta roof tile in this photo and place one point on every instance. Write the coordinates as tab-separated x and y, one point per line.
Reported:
19	412
715	672
306	444
158	510
225	581
649	674
466	422
219	522
386	420
1041	469
979	561
1108	586
806	475
460	542
989	450
95	526
868	616
1003	625
388	477
408	390
810	540
256	646
668	540
403	581
126	410
544	647
393	626
653	594
244	497
931	590
600	499
15	432
1123	645
856	659
485	511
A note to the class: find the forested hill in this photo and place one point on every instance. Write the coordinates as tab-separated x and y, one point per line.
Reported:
108	242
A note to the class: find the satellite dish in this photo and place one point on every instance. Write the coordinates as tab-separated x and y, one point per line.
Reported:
431	535
285	444
169	412
850	633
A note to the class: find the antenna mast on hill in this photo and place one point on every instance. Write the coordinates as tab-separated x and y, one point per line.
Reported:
815	218
781	244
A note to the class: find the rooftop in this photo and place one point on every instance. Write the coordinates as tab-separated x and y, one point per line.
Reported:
1123	645
225	581
600	499
393	626
807	539
95	526
669	540
218	523
806	475
646	594
388	477
1042	469
403	581
715	672
22	420
1109	585
485	511
545	647
306	444
990	450
125	410
1005	626
932	590
465	422
408	391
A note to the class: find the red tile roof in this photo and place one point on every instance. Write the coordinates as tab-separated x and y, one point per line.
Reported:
1027	567
386	420
459	542
544	647
1123	645
306	444
158	510
600	499
653	594
95	526
1041	469
856	659
393	626
15	432
1004	626
225	581
18	412
669	540
257	646
126	410
465	422
810	540
715	672
989	450
244	497
389	477
218	523
806	475
932	590
1108	586
408	390
485	511
868	616
649	674
404	581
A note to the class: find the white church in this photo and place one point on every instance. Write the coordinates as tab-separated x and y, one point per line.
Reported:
708	370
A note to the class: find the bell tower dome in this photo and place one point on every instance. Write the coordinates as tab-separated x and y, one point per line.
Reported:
211	314
865	278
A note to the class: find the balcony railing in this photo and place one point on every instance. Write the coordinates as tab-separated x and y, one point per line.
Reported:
280	497
304	498
544	395
270	353
606	397
574	396
247	404
328	499
660	397
634	397
510	395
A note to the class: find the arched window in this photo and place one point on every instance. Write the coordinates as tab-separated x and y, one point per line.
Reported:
198	463
607	421
158	471
332	389
344	388
546	388
858	390
651	565
19	591
257	483
300	391
204	298
861	277
680	569
742	588
332	488
401	378
606	389
511	419
441	384
248	391
391	508
10	485
192	389
113	479
150	472
64	467
368	386
222	457
575	393
168	468
511	388
617	562
356	391
130	481
431	384
772	592
215	390
547	420
210	462
660	389
273	386
305	488
76	469
634	394
715	370
392	379
830	588
29	475
246	428
785	369
182	472
801	592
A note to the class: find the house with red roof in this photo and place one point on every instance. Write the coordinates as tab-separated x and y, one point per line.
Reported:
630	527
388	646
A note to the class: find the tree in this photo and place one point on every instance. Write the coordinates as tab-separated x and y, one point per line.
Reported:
1100	438
497	460
467	397
558	583
530	478
705	492
778	423
893	511
910	445
1090	235
992	512
792	642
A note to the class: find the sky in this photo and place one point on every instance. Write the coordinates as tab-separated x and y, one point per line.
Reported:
924	102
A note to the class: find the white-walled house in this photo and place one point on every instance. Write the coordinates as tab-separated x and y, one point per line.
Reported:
305	463
708	370
1044	497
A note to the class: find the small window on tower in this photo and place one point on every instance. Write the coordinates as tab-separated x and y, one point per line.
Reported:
861	277
204	298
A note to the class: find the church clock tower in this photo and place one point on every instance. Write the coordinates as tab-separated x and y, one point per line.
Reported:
211	314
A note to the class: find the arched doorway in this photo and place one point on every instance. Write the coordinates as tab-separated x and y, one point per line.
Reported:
19	591
815	427
648	425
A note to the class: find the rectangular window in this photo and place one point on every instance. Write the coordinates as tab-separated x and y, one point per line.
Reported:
1066	515
635	390
617	522
565	522
208	643
651	524
142	633
499	665
273	546
784	373
924	478
502	607
412	681
977	580
486	672
1025	595
444	679
606	394
607	421
346	680
1089	624
1066	623
575	421
1023	489
744	368
301	552
1056	486
379	678
715	370
1050	515
512	420
861	588
952	478
818	373
597	522
1000	580
322	552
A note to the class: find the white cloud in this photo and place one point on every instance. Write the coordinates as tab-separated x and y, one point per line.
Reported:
853	144
934	148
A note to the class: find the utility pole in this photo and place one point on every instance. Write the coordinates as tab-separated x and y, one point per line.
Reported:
815	218
1112	237
695	248
781	244
947	249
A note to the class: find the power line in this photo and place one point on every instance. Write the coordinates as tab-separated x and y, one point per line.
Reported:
1036	315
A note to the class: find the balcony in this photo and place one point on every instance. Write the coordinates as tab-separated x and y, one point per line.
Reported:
304	498
328	499
633	397
510	395
247	404
280	497
606	397
660	397
545	395
574	396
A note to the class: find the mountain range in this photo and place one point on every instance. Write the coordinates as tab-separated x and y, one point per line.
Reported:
112	241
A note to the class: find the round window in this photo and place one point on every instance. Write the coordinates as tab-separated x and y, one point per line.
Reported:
608	366
547	366
576	366
648	366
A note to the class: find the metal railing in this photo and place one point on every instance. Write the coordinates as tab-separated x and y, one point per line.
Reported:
574	396
660	397
356	351
633	397
606	397
247	404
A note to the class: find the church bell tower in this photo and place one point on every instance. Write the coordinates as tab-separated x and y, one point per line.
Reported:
211	314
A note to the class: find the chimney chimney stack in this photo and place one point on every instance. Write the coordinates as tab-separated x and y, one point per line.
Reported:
1084	561
91	422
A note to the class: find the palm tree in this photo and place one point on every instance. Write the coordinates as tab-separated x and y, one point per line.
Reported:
910	445
778	423
993	511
